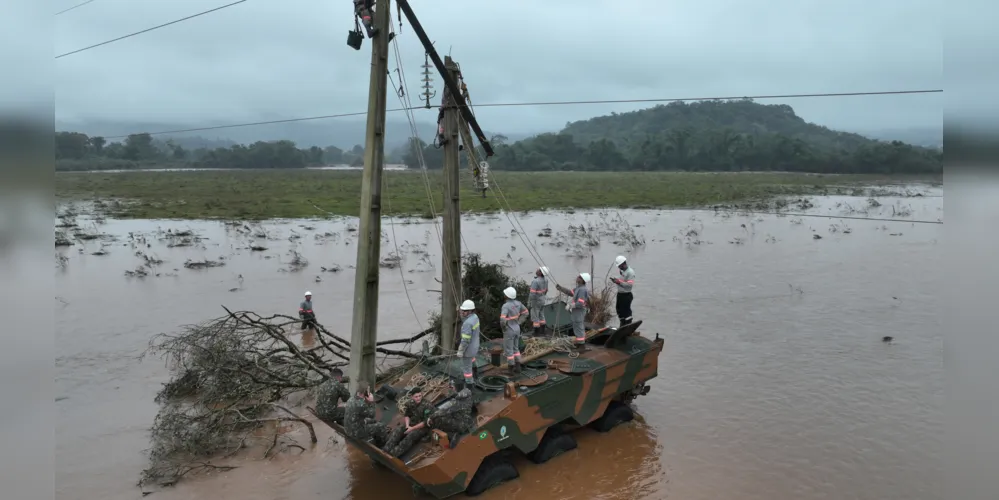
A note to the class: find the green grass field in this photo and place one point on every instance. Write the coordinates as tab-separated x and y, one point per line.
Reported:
265	194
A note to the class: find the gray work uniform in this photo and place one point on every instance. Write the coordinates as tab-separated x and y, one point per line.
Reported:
510	315
308	316
577	312
536	300
624	295
469	346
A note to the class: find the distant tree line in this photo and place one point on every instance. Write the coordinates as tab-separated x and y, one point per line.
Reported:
710	136
77	151
707	136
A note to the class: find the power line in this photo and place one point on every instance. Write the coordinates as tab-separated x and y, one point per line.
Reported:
250	124
679	99
552	103
73	7
150	29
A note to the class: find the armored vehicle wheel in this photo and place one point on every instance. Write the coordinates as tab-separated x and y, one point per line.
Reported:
552	445
494	470
616	413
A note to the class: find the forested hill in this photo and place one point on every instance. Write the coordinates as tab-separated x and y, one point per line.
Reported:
734	135
739	117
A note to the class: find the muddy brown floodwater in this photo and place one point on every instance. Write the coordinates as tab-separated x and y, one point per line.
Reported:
774	382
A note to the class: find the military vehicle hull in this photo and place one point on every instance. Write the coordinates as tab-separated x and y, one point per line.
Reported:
555	393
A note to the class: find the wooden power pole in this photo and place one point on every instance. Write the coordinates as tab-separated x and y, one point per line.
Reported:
364	328
451	275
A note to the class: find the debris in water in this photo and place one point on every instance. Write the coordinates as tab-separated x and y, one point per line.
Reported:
61	240
138	272
297	262
392	261
816	237
202	264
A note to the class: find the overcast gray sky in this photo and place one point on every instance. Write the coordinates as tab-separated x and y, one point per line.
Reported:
270	59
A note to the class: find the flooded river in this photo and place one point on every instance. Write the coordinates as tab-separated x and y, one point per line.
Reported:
774	382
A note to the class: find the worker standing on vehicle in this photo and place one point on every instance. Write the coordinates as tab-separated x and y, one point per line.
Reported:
305	312
624	290
578	307
359	417
536	300
362	9
511	315
468	347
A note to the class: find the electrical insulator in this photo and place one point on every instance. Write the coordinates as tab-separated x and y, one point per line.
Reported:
428	92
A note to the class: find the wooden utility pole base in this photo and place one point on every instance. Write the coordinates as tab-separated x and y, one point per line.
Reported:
364	328
451	294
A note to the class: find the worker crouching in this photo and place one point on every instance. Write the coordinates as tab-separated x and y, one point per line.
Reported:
578	306
512	314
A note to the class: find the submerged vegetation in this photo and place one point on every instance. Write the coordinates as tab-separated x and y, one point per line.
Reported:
267	194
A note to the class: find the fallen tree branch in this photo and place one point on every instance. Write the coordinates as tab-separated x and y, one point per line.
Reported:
410	340
231	377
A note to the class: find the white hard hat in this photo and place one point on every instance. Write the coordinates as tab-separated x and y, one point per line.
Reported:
585	276
510	292
308	293
620	260
544	270
468	305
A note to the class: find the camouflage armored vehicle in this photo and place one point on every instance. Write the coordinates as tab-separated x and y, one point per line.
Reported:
532	412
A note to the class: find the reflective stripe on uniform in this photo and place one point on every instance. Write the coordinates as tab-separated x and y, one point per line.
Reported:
467	336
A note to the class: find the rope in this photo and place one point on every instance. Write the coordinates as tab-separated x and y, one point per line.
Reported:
431	386
404	100
411	118
539	346
507	211
395	243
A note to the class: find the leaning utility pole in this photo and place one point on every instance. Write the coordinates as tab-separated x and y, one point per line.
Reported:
364	327
451	275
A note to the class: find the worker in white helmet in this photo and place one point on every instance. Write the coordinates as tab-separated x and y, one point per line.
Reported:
468	348
536	299
578	308
512	314
625	283
305	312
